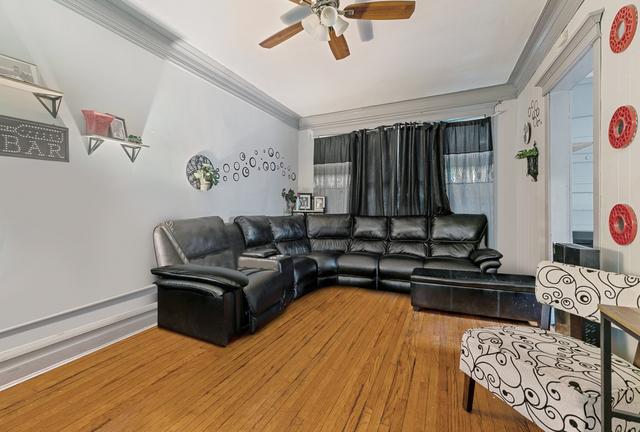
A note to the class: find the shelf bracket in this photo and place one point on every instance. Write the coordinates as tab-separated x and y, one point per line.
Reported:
94	143
131	151
50	103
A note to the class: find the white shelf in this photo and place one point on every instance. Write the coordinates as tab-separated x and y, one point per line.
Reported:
28	87
132	150
50	99
114	141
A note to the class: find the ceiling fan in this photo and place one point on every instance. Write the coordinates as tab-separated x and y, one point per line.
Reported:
324	20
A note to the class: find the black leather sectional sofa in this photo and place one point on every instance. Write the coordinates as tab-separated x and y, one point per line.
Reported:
218	279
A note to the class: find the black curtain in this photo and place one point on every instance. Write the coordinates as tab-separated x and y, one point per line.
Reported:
399	171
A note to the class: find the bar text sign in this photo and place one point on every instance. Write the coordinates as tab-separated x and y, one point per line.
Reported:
31	140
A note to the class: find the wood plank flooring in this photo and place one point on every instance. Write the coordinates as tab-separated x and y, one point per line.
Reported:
339	359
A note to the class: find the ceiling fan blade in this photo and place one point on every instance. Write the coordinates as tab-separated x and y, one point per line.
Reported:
296	14
301	2
382	10
365	29
282	36
339	46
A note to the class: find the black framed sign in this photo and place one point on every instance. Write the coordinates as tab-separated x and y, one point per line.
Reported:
32	140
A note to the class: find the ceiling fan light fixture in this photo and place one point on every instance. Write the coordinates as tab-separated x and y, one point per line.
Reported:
312	25
329	16
340	26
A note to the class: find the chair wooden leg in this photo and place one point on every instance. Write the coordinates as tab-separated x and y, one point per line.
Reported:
467	397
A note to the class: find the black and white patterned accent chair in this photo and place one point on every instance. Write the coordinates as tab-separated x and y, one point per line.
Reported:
551	379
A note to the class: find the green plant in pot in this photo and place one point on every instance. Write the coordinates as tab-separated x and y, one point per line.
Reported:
207	177
290	198
531	155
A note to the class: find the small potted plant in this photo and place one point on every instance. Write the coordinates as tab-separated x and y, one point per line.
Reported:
207	176
290	198
531	155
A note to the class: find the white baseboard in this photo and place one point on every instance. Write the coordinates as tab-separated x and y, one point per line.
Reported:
21	363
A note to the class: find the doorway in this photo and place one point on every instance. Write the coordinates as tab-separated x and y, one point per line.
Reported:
572	156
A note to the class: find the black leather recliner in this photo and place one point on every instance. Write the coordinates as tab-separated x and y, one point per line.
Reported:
202	287
218	279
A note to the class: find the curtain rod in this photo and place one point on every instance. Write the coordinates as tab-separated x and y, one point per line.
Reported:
456	120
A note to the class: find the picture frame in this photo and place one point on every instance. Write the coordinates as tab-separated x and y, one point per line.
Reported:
319	202
19	70
304	201
118	128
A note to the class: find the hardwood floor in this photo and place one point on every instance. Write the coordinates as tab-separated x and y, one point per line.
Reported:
338	359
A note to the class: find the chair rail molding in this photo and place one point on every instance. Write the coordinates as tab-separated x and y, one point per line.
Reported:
583	39
66	336
553	20
133	25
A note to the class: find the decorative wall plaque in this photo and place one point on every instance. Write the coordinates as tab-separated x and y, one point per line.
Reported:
623	224
32	140
623	127
623	28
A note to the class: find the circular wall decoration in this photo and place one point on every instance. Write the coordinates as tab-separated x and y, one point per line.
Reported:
623	127
623	28
623	224
201	174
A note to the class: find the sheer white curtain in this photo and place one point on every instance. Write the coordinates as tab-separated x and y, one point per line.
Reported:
333	180
469	170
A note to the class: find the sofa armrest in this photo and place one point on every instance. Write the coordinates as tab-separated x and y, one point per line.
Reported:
490	266
260	252
479	256
218	276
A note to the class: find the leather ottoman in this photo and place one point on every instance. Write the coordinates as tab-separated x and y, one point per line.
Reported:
492	295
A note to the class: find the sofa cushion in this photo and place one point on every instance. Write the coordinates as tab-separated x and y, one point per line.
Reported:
294	247
450	263
329	226
327	262
255	229
417	249
358	265
265	289
457	235
399	267
329	245
370	228
285	228
408	228
305	275
368	246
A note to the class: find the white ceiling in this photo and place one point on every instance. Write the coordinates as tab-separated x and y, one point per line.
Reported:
447	46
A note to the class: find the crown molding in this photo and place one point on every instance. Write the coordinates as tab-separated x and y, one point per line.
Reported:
583	39
433	108
553	20
133	25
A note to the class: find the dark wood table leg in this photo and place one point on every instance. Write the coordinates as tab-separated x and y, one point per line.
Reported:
605	368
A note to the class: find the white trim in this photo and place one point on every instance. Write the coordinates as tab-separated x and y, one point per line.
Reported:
136	311
583	39
132	24
468	103
554	18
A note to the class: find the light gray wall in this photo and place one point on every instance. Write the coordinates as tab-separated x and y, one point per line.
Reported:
72	234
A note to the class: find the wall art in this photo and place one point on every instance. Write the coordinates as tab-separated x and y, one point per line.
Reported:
31	140
201	173
18	70
534	113
531	155
623	127
623	28
623	224
265	160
